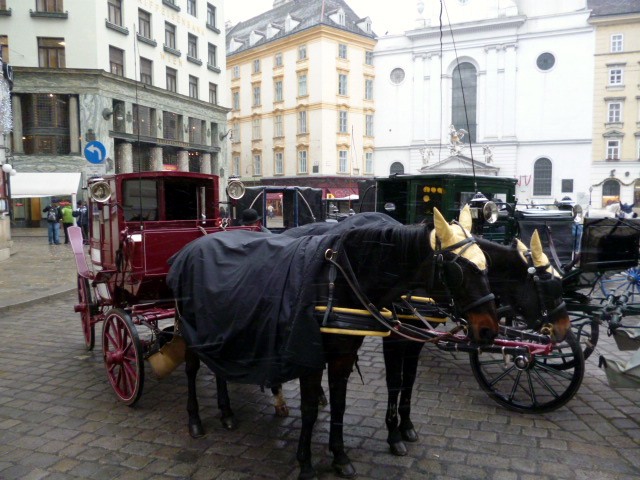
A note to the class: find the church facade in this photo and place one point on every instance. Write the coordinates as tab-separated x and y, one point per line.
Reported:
506	83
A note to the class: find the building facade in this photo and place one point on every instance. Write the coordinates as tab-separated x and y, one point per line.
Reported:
510	86
141	77
301	93
615	172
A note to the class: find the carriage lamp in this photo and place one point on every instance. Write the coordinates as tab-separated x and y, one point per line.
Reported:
7	168
100	191
235	189
480	203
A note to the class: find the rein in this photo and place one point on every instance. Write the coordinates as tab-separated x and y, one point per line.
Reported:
407	331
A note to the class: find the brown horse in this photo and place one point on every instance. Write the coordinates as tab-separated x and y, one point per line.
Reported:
384	262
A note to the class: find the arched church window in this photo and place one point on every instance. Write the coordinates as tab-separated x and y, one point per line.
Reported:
542	175
396	167
464	101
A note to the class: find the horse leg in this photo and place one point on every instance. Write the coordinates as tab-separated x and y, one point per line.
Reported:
393	360
409	371
279	403
340	366
227	417
192	365
309	388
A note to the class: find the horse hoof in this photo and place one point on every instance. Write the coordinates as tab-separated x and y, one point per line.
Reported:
322	400
399	449
228	423
409	435
307	474
282	411
345	471
196	430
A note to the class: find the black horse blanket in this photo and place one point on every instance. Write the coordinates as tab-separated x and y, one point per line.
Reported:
246	302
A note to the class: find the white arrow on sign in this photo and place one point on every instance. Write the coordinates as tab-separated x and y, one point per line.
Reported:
94	149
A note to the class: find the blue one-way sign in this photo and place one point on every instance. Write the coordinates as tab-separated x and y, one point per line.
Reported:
95	152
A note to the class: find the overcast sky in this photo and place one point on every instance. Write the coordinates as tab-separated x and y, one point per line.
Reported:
392	17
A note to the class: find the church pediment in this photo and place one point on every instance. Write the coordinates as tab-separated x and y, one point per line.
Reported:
461	164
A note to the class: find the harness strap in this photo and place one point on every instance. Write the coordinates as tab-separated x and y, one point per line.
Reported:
332	283
552	247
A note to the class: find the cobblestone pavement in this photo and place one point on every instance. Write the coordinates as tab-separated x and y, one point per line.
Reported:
35	269
59	419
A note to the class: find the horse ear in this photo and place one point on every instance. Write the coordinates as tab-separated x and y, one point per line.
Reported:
465	218
443	229
522	249
539	257
432	239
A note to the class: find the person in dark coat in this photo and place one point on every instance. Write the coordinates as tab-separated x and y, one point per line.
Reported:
250	217
82	218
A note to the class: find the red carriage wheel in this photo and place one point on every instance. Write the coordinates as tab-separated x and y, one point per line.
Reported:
123	356
85	308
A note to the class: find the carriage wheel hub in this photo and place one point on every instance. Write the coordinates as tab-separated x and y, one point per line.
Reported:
116	357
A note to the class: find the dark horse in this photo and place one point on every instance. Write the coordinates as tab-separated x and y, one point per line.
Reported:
522	280
385	262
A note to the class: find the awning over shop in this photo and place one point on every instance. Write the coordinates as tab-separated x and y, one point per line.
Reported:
25	185
340	192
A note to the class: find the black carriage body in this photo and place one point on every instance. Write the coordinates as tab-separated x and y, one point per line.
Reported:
148	218
411	199
293	206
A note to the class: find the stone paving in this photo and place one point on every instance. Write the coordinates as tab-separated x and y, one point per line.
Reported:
35	269
59	419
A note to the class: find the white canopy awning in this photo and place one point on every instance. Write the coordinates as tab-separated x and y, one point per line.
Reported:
24	185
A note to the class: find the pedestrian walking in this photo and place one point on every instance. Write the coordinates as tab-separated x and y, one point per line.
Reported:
67	220
82	219
53	217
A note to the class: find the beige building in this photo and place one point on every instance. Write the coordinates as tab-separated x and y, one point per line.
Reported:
141	77
302	102
615	171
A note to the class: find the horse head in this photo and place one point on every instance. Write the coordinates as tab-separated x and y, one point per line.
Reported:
523	279
541	294
464	270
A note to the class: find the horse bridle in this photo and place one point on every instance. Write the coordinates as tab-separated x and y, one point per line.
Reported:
444	264
541	287
349	276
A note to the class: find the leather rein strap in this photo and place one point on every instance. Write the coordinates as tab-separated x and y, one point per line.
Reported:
407	331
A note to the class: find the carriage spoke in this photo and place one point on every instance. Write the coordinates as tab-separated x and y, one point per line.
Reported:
545	384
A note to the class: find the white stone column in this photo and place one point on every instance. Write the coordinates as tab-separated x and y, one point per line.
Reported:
205	163
491	112
124	157
156	159
436	134
509	92
74	126
419	133
183	160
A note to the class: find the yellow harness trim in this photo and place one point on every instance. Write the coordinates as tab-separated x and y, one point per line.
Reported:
419	299
359	333
355	311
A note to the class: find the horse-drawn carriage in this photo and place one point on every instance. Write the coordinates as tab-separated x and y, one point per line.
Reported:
139	221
